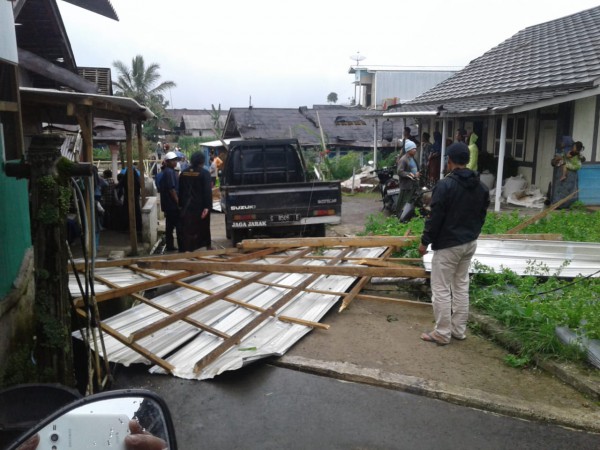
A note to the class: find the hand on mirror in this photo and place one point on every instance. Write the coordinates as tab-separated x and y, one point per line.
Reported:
142	440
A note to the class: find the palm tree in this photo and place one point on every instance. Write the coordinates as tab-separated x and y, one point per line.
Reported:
140	82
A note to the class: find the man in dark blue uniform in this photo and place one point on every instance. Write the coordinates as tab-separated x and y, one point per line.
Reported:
169	201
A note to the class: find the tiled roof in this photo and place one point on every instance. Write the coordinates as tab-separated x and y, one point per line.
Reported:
303	124
542	61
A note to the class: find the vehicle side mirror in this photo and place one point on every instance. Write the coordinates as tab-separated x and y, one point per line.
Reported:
107	420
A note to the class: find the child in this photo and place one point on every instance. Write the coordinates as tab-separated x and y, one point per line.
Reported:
572	160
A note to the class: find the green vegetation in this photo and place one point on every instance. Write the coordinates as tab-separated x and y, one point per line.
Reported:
529	307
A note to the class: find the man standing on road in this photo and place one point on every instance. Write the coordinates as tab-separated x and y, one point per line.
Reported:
169	200
458	208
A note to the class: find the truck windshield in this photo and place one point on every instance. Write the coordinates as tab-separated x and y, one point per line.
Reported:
265	165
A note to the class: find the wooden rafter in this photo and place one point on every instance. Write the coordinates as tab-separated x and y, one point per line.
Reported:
352	271
238	336
143	332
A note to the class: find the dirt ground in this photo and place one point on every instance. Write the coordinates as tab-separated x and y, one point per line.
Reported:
385	336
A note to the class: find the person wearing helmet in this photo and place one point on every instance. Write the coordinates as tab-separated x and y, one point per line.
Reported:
169	200
408	171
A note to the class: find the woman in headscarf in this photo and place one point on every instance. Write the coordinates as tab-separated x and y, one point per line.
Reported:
195	200
473	151
562	187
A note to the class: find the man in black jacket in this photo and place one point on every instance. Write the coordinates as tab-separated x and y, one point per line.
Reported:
458	208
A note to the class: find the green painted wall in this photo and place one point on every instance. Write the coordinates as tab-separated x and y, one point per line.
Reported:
15	229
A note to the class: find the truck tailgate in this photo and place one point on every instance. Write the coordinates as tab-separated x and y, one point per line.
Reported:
283	204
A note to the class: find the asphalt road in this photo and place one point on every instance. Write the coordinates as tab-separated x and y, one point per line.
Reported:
265	407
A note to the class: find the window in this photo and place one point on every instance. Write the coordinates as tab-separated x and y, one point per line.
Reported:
516	128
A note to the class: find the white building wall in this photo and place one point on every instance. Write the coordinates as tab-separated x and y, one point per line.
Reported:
583	123
405	85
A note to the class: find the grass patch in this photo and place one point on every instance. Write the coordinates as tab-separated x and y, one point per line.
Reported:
532	306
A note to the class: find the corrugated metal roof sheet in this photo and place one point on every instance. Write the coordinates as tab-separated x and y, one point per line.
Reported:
182	344
519	255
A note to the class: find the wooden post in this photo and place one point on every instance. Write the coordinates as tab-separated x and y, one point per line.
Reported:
130	188
141	159
50	193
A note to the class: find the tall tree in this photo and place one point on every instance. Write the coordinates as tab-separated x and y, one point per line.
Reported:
332	97
142	83
215	117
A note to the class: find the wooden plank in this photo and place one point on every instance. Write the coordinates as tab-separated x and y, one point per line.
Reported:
188	255
373	262
378	298
334	293
543	214
360	285
366	260
136	347
145	285
353	271
255	255
238	336
161	308
149	329
360	241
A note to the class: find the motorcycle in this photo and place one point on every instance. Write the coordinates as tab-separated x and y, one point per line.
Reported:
418	203
388	187
119	420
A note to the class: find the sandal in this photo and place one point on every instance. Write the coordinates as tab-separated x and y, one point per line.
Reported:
432	337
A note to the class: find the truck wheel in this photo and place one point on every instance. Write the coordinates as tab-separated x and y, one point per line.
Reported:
319	230
237	236
227	229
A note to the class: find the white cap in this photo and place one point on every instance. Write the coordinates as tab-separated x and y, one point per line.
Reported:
171	155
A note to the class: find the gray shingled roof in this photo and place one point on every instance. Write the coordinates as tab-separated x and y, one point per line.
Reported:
302	124
543	61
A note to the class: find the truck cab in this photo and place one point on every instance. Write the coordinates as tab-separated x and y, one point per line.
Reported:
265	190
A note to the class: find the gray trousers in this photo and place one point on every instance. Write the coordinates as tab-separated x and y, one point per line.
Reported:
450	289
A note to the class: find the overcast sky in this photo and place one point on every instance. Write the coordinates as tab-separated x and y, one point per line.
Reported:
290	54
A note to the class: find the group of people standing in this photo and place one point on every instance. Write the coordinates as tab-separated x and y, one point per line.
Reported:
186	200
